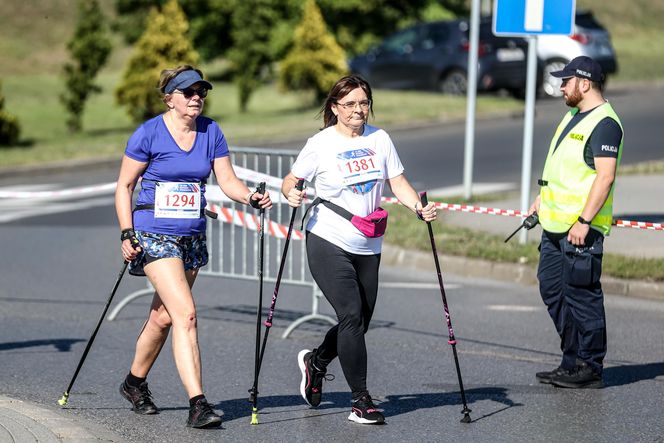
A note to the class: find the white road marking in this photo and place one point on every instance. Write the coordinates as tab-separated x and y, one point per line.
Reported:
513	308
413	285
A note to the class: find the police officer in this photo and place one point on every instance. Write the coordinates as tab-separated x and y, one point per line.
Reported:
575	209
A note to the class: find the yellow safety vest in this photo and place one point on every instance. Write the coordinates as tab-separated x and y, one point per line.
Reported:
568	179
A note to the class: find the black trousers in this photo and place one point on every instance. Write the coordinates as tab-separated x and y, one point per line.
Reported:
569	280
350	283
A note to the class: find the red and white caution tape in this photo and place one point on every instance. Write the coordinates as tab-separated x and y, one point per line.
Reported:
639	225
515	213
275	182
251	222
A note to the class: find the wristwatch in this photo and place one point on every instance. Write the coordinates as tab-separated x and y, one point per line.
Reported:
583	221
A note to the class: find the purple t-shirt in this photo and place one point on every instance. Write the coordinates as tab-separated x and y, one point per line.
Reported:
153	144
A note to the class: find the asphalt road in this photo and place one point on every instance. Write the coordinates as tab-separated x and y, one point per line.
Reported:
56	279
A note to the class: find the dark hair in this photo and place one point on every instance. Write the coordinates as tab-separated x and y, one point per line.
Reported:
169	74
342	88
598	86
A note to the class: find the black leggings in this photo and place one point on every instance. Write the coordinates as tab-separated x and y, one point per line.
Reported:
350	283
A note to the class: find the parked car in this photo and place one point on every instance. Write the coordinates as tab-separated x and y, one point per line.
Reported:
434	56
590	38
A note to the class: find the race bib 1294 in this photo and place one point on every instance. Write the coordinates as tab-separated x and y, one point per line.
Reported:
177	200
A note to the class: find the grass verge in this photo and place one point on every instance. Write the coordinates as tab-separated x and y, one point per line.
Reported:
453	240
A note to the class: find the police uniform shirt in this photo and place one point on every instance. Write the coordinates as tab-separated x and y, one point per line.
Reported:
603	142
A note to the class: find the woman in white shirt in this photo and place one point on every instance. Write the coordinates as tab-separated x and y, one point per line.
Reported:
349	162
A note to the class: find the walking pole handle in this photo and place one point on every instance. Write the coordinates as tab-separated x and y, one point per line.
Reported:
423	198
260	189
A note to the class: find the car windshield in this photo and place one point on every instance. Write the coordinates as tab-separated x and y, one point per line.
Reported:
397	42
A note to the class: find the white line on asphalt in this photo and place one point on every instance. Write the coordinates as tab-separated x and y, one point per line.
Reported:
513	308
412	285
60	207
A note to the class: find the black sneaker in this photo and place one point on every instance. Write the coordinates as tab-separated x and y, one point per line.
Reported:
140	398
201	416
365	412
311	386
546	376
578	378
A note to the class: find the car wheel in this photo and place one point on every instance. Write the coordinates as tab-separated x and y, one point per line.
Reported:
551	84
454	83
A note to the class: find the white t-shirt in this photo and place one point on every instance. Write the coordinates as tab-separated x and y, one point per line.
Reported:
350	172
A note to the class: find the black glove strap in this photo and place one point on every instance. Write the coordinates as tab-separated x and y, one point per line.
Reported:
127	234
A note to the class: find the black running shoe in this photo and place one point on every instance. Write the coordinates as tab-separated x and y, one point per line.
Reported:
546	376
201	416
311	386
140	398
365	412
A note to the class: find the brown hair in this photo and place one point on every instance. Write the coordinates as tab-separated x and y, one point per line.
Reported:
169	74
342	88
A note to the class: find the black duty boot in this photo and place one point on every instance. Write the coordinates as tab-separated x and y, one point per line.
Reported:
546	376
582	376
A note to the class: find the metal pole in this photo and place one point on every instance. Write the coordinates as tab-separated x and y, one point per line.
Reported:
527	158
471	97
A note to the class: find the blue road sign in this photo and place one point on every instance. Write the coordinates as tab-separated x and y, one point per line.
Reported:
532	17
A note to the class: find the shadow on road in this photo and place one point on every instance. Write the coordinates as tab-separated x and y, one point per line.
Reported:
627	374
392	405
61	344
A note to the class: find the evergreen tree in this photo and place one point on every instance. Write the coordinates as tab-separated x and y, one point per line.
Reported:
9	127
89	48
164	44
251	53
316	60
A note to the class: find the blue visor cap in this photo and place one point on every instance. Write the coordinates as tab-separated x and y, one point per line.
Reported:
184	80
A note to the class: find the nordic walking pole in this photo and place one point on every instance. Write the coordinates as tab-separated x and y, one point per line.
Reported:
65	395
452	341
253	398
270	315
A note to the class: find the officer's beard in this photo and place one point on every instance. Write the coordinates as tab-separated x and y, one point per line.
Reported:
573	100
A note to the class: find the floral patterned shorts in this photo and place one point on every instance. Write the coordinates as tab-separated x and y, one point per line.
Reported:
191	249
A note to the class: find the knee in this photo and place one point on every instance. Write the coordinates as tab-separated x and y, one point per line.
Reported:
352	321
160	320
187	320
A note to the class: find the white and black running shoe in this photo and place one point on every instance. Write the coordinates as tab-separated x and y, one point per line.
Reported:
311	386
365	412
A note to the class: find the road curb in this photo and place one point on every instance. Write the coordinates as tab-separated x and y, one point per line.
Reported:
523	274
26	421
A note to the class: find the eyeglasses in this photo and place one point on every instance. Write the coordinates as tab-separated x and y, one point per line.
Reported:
190	92
364	105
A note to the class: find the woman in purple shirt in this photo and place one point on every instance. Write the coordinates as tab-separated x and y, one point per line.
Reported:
174	154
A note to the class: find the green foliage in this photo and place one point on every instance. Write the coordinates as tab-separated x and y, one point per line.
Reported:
357	24
9	127
250	55
164	44
316	60
209	22
89	48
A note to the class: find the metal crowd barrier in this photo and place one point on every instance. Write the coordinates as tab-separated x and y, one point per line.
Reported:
233	248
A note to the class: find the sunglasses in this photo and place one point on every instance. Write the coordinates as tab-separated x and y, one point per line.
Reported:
190	92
